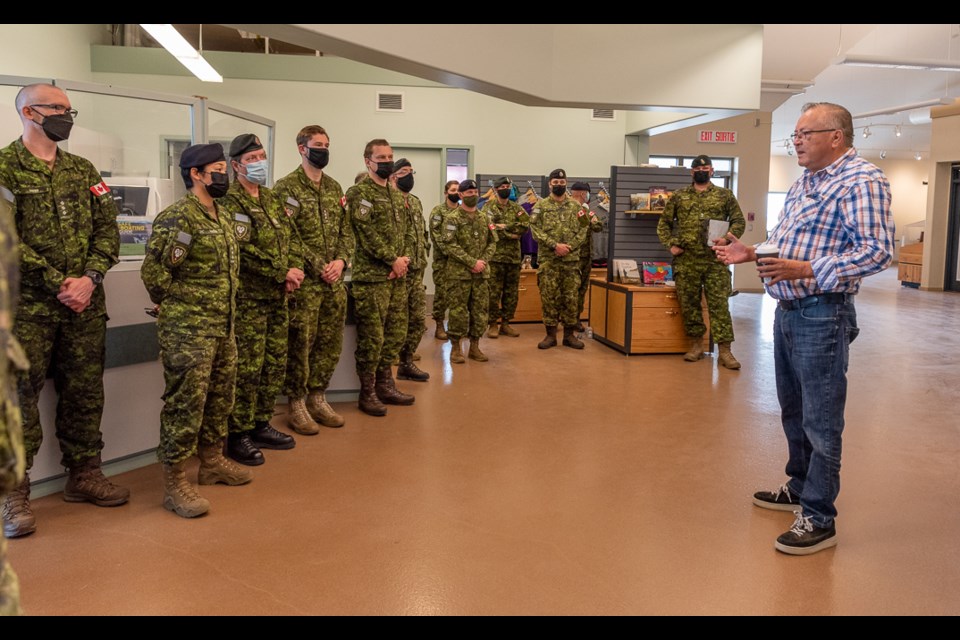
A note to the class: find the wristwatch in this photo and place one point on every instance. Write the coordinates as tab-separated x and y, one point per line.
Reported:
96	276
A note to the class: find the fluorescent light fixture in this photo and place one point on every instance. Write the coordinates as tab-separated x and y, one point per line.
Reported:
892	63
176	44
904	107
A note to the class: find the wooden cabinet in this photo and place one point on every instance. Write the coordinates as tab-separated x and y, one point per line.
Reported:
910	266
529	308
639	319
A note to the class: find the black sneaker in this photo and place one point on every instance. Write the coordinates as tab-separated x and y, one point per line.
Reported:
780	500
265	436
241	448
804	538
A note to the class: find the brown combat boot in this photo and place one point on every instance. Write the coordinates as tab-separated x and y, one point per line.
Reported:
409	371
18	518
696	349
493	332
456	355
298	417
368	401
570	338
387	390
321	411
86	483
214	467
180	496
440	333
550	340
726	357
475	353
507	330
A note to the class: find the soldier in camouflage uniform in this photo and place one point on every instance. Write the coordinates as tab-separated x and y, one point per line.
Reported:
12	359
270	268
510	221
379	220
469	240
557	228
683	229
416	293
449	204
315	203
66	220
580	191
191	271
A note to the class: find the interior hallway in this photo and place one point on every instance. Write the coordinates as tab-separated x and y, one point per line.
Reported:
556	482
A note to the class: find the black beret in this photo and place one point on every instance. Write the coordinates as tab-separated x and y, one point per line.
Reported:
400	164
200	155
243	143
702	161
580	186
558	174
468	184
502	181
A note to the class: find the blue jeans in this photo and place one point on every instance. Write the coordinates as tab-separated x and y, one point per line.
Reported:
811	353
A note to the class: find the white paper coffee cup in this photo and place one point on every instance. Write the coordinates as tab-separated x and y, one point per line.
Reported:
766	251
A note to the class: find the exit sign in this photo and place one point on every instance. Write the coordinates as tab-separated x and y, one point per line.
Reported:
726	137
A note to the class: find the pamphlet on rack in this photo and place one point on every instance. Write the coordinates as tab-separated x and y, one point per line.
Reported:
134	233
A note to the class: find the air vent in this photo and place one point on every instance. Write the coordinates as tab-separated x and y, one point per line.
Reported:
603	114
389	102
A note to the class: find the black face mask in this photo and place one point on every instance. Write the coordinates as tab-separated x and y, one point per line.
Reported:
453	197
384	169
219	185
558	190
318	157
701	177
57	127
503	193
405	183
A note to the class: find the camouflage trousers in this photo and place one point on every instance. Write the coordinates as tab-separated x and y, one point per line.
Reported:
200	374
694	274
559	283
381	312
416	310
76	345
469	305
261	329
440	300
9	586
504	291
586	263
316	337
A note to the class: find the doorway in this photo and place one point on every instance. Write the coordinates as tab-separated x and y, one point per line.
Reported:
951	279
428	181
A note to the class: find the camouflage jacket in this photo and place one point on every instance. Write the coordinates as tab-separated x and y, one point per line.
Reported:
517	222
192	269
269	245
67	222
319	215
12	357
556	223
466	238
439	212
380	225
594	224
421	243
686	217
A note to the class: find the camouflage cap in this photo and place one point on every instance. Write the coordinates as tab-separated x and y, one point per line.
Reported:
558	174
702	161
243	143
200	155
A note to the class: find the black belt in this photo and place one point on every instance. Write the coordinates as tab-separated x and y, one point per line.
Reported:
809	301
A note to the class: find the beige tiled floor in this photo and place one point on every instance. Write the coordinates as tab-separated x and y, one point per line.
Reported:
557	482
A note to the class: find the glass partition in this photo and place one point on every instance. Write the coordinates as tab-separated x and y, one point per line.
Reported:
224	124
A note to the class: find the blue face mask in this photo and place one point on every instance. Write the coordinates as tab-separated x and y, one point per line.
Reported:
257	171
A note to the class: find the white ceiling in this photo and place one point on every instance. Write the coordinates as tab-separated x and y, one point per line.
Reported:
807	52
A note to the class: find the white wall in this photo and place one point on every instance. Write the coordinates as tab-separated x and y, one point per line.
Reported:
49	50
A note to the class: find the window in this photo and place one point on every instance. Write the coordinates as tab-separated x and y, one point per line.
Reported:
775	200
722	167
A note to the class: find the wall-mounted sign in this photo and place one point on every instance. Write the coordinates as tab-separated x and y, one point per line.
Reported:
727	137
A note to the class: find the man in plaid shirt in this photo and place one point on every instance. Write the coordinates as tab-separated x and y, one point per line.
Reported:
835	228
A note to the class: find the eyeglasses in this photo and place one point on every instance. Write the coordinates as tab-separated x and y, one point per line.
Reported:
806	133
57	108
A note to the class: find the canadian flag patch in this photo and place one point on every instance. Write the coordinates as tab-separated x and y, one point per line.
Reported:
100	189
343	201
492	226
580	213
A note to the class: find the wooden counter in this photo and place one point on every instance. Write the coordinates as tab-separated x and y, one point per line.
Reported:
529	308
